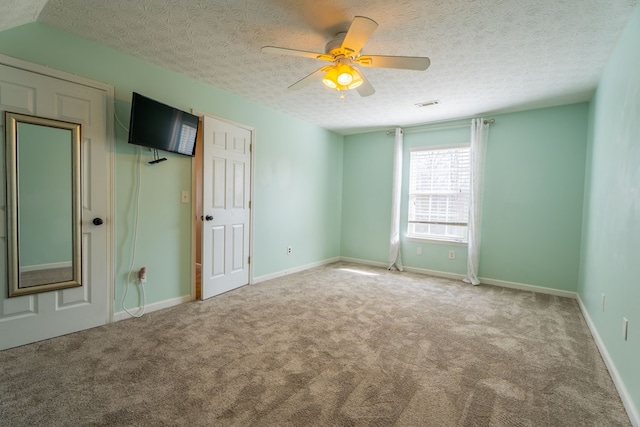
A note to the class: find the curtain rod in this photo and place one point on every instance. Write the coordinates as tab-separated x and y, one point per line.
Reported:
443	126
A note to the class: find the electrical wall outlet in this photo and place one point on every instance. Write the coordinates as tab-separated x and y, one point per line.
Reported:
419	250
289	250
452	254
142	275
184	197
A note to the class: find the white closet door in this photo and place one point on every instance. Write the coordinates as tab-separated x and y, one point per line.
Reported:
30	318
226	213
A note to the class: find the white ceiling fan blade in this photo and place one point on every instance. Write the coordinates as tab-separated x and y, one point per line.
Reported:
365	89
295	52
401	62
359	32
316	75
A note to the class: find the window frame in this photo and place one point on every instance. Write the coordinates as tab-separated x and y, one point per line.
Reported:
434	238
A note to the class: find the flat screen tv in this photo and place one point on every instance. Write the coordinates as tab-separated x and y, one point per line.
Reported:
159	126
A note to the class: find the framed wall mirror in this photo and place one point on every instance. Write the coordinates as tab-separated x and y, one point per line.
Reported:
43	204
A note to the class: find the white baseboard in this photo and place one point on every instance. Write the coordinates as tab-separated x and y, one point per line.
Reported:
416	270
530	288
363	262
627	401
483	280
122	315
293	270
443	274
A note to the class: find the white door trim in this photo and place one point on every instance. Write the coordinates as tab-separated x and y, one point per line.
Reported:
109	107
195	215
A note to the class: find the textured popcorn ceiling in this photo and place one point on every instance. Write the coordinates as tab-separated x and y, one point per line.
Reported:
18	12
487	56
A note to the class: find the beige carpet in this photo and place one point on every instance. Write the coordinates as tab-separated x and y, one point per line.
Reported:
329	346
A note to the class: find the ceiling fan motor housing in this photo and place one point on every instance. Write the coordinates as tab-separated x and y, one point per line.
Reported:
334	46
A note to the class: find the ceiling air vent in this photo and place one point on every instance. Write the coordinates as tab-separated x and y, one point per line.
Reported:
428	103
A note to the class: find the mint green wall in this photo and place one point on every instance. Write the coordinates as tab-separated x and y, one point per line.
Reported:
366	191
298	168
611	233
44	199
534	182
298	197
534	178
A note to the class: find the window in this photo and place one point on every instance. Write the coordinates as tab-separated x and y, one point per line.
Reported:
439	182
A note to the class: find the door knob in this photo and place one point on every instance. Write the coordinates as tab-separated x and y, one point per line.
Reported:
98	221
208	218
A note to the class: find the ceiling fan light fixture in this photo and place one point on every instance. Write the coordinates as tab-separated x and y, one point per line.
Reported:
331	78
357	79
345	78
342	77
345	75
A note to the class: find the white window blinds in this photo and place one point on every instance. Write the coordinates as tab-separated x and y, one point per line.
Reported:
439	193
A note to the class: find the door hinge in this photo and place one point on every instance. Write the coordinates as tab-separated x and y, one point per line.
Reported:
248	260
249	204
251	148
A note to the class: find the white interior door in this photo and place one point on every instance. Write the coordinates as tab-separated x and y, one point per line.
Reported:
29	318
225	203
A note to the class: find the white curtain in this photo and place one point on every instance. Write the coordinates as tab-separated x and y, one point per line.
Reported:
479	133
395	260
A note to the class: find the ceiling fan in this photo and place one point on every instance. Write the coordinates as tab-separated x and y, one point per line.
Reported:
343	51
